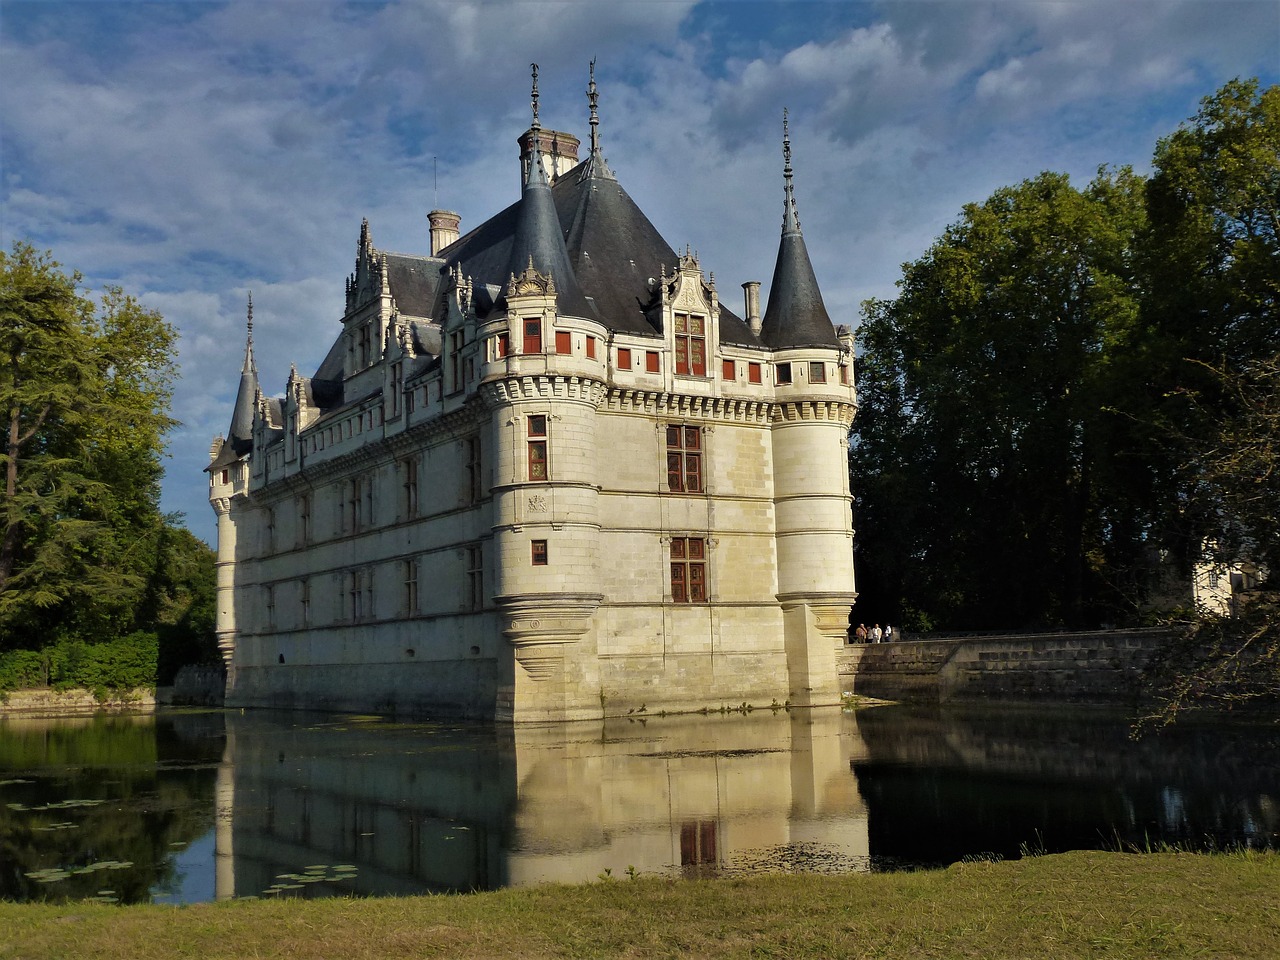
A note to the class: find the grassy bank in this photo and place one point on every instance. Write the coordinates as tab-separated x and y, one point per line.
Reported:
1071	905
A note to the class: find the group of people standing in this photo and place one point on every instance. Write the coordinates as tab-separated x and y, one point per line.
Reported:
876	634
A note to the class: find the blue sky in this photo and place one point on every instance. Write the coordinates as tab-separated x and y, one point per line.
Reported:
195	151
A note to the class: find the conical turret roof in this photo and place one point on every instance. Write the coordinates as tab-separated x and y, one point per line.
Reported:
240	436
795	315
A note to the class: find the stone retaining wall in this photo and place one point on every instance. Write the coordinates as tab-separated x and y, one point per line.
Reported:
1085	667
53	703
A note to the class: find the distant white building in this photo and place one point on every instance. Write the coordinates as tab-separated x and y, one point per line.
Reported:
1217	586
543	474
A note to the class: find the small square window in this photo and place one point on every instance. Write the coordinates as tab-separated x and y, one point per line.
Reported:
817	372
563	342
539	553
624	358
753	373
783	371
728	370
538	425
651	361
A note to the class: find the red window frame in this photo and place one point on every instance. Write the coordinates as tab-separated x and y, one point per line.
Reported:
591	348
624	358
564	342
532	336
684	458
651	361
688	570
728	370
538	552
754	374
691	345
536	427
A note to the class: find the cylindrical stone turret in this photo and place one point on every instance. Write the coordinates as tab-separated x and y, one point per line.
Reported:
444	229
751	290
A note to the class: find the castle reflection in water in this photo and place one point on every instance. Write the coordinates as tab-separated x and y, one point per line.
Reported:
415	808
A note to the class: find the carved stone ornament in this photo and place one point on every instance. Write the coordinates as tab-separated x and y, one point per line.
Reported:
537	503
531	283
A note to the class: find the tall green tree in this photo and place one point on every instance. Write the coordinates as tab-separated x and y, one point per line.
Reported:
1210	260
85	396
985	460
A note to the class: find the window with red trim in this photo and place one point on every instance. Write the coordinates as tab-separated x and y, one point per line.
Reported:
728	370
591	348
688	569
532	336
624	358
684	459
537	431
651	361
563	342
753	373
691	345
538	553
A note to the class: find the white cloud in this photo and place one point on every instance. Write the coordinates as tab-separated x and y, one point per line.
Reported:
191	152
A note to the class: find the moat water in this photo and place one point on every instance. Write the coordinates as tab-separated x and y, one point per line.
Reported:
189	806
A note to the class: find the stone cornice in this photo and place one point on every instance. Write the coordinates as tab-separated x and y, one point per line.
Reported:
659	403
543	387
796	411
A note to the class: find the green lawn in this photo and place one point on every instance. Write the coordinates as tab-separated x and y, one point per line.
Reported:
1071	905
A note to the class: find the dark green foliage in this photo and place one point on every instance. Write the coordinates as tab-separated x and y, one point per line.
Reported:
124	663
1073	395
86	557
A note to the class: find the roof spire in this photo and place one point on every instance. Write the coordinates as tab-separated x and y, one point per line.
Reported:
790	219
595	165
249	365
240	436
534	97
593	100
795	315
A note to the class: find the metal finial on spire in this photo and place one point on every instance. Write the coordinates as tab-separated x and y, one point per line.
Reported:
593	99
786	147
250	319
534	95
790	218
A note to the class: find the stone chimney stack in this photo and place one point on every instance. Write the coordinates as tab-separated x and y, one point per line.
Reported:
559	153
444	229
752	291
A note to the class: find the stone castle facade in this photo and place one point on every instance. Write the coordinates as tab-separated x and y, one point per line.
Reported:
544	473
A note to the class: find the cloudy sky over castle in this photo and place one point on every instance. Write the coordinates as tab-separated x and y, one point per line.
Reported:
195	151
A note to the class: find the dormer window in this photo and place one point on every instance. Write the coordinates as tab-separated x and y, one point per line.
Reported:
364	345
691	345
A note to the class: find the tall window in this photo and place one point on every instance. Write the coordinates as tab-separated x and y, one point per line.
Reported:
270	601
304	602
409	599
532	336
475	487
475	577
564	342
651	361
688	569
624	358
728	370
397	387
753	373
537	427
271	530
691	345
684	459
409	484
591	348
538	553
364	345
304	519
355	595
456	340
